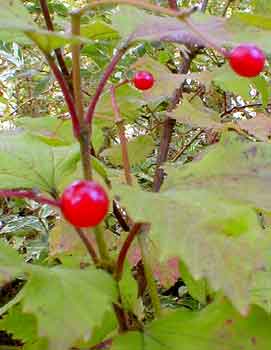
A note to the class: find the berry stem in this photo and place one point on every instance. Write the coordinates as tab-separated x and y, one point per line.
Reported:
99	234
122	136
107	73
143	244
85	239
29	195
84	132
125	248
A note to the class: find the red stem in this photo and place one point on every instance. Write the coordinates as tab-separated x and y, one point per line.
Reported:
124	250
50	27
29	195
88	244
66	93
107	73
173	4
103	345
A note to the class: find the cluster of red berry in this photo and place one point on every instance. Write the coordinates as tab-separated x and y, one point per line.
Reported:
85	203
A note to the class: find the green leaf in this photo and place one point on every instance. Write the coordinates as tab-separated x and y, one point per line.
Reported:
197	289
11	263
26	162
165	81
50	294
15	18
260	21
138	149
262	85
227	80
22	326
217	327
218	239
228	169
65	245
52	130
195	114
65	299
98	30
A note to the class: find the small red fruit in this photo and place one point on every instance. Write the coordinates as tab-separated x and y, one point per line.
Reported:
84	203
247	60
143	80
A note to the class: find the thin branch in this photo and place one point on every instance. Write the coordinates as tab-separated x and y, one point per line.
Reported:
29	195
185	147
204	5
107	73
240	108
169	125
125	248
66	93
122	136
226	7
88	244
59	56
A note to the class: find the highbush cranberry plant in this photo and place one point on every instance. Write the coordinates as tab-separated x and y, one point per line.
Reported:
204	223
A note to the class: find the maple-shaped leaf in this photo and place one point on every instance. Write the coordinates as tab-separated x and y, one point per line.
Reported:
234	169
260	126
217	327
27	162
140	25
218	239
69	300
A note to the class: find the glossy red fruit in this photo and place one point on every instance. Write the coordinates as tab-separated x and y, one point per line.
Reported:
84	203
143	80
247	60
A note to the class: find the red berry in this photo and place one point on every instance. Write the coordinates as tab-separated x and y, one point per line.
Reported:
143	80
84	203
247	60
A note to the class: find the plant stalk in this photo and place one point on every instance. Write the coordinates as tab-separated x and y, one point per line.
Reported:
99	234
85	239
84	132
